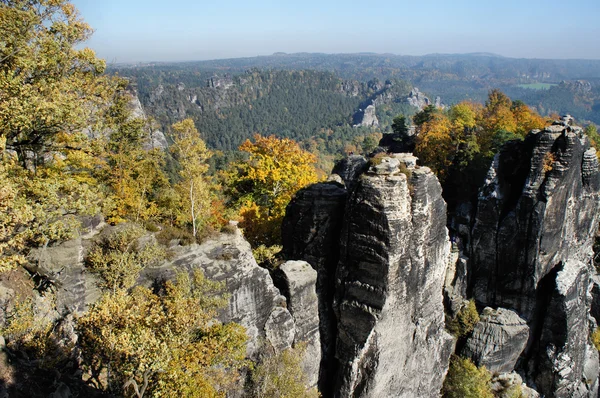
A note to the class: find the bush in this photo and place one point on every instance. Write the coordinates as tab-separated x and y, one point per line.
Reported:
465	380
281	376
119	257
465	320
267	256
596	338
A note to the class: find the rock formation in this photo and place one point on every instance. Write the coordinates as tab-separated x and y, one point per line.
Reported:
297	281
255	302
498	340
531	252
418	99
393	247
368	118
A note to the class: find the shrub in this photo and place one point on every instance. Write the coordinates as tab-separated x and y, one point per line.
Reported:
465	380
465	320
596	338
119	257
267	256
282	376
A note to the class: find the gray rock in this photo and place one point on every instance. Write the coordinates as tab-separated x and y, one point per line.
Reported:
255	302
350	168
531	250
503	386
369	118
389	310
62	267
310	232
497	340
418	99
297	281
280	329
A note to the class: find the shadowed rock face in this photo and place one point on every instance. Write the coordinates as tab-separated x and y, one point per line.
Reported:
531	250
382	252
310	232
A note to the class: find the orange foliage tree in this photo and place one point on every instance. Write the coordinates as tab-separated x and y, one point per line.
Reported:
264	184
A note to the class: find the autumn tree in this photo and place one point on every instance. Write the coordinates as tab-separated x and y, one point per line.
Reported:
49	86
162	343
52	95
134	173
264	184
194	189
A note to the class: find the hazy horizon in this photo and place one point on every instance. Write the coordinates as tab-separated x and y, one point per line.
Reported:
184	30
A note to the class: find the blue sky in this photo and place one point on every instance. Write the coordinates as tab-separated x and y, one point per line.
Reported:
177	30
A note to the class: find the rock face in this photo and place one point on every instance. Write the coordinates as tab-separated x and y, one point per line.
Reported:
369	118
310	232
255	302
393	248
497	340
297	281
389	288
418	99
531	251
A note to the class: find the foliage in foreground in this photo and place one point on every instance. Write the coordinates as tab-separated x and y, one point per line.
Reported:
152	339
465	380
465	320
282	376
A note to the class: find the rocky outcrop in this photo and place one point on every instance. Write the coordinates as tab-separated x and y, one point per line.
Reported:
418	99
350	168
393	248
389	288
297	281
497	340
531	251
368	118
254	302
310	232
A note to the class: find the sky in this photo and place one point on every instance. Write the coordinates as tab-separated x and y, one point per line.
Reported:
185	30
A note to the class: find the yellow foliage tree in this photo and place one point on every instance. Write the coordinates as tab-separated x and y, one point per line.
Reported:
49	87
167	344
193	188
134	173
265	183
435	145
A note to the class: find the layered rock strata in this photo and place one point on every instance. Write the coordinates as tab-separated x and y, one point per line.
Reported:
531	251
393	249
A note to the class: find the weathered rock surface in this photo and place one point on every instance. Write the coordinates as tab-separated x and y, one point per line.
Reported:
531	251
350	168
369	118
497	340
255	302
61	268
390	237
391	337
297	281
418	99
310	232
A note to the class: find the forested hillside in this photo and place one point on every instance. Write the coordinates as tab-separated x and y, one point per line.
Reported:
229	109
452	77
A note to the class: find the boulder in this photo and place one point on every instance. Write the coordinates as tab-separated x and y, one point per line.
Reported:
497	340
